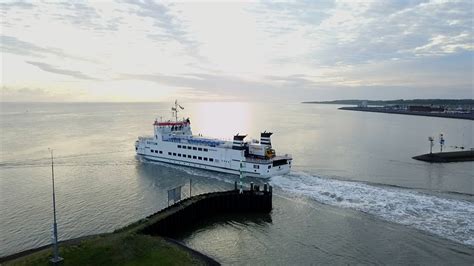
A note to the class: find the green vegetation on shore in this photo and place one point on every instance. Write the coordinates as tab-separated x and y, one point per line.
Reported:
125	246
115	249
442	102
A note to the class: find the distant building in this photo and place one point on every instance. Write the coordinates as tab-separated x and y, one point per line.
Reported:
424	108
393	107
363	104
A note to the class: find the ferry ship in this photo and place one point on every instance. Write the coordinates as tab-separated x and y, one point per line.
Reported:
174	142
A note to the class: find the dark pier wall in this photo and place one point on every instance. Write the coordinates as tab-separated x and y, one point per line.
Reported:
447	157
187	212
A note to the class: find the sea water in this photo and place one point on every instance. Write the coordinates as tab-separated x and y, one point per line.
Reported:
354	193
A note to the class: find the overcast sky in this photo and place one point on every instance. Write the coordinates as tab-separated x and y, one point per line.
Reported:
259	51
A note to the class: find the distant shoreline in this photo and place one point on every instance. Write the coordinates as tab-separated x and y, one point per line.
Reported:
468	116
444	102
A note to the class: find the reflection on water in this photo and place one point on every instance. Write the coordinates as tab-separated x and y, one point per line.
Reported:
233	220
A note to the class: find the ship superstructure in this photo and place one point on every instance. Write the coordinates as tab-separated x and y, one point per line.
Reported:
173	142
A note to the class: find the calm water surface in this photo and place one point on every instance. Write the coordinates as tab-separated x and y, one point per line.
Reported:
355	195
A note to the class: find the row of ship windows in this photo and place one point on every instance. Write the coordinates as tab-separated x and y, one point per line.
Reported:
194	157
193	148
184	156
255	166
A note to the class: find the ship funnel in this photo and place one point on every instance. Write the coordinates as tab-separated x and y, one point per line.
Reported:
265	138
238	143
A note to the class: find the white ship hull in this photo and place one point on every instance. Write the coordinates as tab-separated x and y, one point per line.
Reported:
225	164
280	171
173	142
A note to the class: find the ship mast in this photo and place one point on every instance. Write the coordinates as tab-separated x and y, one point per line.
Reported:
175	110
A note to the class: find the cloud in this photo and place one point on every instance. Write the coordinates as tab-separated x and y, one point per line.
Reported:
86	16
26	94
228	87
354	32
202	82
170	27
273	88
16	4
265	50
303	87
56	70
13	45
442	44
10	44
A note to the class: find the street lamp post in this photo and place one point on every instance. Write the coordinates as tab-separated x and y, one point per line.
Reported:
241	176
55	259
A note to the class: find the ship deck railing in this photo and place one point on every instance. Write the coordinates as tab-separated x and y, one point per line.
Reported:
145	137
197	141
261	160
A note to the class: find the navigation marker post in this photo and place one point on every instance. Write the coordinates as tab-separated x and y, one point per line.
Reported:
56	259
441	142
431	139
241	190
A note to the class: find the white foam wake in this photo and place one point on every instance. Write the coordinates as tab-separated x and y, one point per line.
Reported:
448	218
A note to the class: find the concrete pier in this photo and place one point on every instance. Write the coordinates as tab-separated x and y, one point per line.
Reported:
446	157
142	248
188	211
